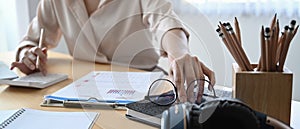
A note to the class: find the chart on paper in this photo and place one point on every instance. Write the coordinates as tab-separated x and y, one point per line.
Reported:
106	85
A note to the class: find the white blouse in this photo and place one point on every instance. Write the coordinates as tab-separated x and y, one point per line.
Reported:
125	32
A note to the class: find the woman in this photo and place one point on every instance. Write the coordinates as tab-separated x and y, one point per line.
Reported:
114	31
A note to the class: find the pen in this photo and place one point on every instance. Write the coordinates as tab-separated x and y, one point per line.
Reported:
40	46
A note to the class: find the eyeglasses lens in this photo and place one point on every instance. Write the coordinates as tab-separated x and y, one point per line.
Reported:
194	88
162	92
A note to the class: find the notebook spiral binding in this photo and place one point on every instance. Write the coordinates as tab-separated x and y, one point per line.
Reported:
12	118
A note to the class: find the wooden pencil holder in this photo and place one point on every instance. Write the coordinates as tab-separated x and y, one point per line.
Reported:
267	92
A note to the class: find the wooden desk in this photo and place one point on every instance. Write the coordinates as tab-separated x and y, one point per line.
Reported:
16	97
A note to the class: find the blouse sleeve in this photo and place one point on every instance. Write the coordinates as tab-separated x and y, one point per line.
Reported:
46	18
159	17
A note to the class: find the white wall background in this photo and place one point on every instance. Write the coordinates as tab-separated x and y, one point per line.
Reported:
204	41
8	25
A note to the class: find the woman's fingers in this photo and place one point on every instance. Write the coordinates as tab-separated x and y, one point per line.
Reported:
31	56
176	74
200	83
187	69
22	67
41	53
28	62
210	74
42	67
190	76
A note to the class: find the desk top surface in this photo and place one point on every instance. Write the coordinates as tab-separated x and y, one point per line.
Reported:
12	98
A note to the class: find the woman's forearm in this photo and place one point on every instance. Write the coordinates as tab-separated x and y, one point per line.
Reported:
175	43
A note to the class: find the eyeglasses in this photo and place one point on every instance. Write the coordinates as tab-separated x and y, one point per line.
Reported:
196	84
164	92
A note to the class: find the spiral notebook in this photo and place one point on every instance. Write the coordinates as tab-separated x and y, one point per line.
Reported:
26	118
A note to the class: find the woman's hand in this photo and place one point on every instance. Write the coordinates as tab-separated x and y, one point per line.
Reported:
186	69
28	57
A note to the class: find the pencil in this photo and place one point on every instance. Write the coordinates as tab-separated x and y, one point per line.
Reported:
233	44
273	21
239	48
286	44
293	24
263	50
275	43
40	46
232	34
237	30
280	44
267	45
233	49
276	40
273	47
295	31
229	47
